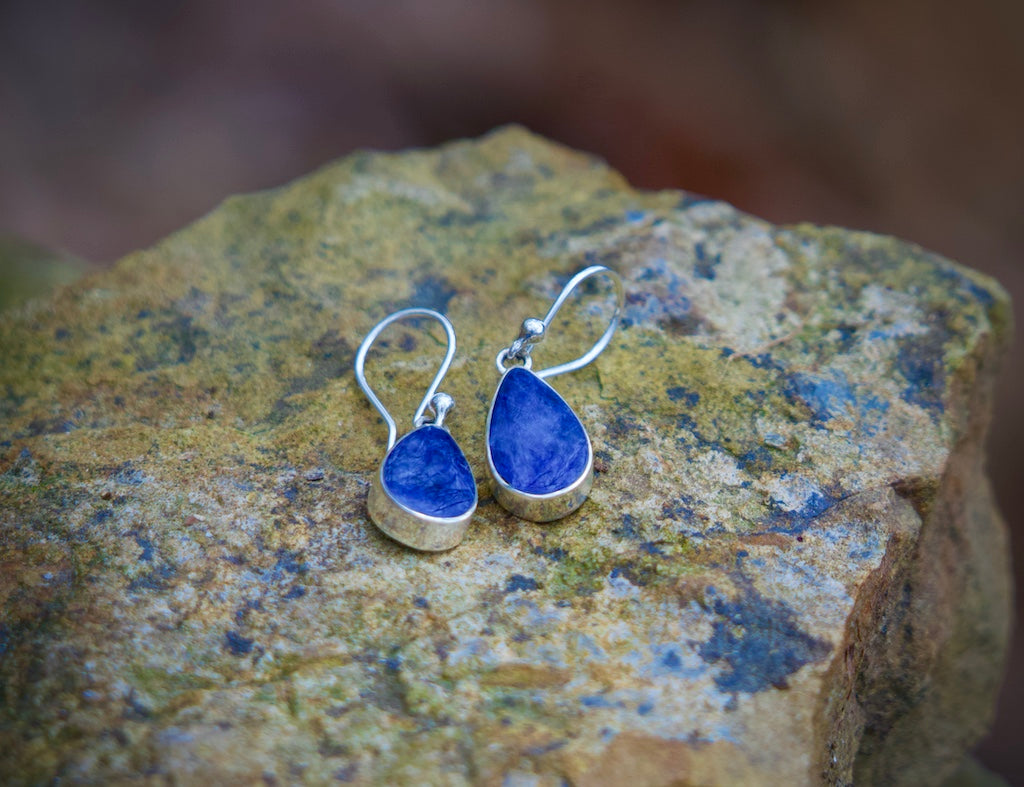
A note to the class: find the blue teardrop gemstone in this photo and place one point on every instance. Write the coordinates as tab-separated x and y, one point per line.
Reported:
427	472
537	443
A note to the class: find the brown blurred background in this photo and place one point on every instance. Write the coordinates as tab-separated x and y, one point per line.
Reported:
121	121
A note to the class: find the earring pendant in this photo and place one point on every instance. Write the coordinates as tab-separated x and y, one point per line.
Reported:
539	455
424	493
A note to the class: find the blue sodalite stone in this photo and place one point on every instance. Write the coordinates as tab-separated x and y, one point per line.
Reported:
537	443
427	472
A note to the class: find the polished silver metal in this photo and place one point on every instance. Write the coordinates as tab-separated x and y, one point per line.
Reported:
440	405
360	368
557	504
406	525
533	330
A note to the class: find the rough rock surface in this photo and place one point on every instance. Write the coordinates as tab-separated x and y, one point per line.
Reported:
790	569
28	270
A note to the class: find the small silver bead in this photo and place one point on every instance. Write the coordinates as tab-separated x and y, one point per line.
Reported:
532	330
441	403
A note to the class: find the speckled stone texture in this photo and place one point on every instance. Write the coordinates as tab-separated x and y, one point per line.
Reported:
790	569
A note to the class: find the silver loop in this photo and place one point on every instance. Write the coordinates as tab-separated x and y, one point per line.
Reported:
504	356
563	296
360	364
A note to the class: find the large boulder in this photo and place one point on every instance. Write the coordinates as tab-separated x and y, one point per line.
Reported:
790	569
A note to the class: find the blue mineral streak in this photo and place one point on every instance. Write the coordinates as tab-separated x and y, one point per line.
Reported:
537	443
427	472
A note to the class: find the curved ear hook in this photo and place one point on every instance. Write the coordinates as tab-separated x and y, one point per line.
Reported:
533	330
444	402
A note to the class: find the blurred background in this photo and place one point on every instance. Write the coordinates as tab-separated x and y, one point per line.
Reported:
121	121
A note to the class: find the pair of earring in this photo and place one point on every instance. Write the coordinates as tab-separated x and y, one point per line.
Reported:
539	456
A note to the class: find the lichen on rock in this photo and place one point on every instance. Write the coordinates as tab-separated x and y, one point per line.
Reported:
790	569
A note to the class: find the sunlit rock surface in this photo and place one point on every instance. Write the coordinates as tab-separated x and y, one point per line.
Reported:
789	571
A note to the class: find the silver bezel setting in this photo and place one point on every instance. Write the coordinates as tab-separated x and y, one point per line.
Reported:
552	505
414	529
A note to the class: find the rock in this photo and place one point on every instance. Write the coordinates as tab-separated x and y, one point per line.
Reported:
790	569
29	271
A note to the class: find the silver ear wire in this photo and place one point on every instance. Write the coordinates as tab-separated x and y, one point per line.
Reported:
360	369
534	330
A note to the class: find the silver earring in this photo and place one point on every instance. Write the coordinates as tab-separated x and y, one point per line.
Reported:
424	493
539	455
